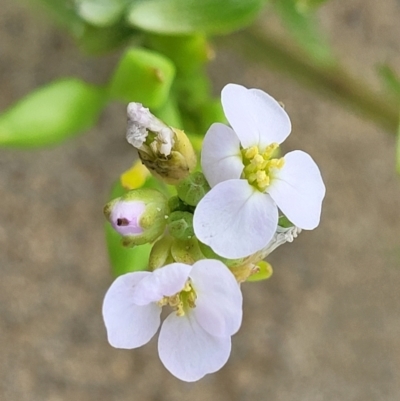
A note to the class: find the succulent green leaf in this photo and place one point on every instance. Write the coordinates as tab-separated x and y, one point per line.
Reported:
142	76
189	53
52	114
99	40
100	12
193	16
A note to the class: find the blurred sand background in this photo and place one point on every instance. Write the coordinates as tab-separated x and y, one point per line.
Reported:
325	327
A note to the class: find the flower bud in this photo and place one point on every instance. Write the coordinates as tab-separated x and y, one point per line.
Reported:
139	215
160	254
165	151
192	189
180	225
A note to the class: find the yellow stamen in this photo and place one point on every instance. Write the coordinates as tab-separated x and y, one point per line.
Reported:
260	167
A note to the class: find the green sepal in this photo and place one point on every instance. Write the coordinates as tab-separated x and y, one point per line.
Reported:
142	76
52	114
180	225
193	16
186	251
284	222
193	188
264	273
160	254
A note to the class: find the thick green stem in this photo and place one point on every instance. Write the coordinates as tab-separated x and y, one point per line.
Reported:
329	78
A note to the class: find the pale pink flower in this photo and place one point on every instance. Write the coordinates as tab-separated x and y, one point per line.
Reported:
196	338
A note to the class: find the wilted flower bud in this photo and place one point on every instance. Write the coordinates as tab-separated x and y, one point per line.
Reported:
139	215
165	151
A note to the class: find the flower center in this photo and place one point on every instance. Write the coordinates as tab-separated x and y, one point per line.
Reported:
260	167
181	301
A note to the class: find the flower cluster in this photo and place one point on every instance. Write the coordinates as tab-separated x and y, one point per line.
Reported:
213	234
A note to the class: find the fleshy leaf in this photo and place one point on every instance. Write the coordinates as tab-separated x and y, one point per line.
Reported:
51	114
98	40
100	13
142	76
190	16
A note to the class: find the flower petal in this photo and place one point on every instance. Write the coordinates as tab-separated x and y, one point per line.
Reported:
235	219
257	118
188	351
273	121
219	299
166	281
129	325
220	156
298	190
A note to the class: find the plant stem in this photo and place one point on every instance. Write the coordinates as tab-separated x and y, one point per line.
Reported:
328	78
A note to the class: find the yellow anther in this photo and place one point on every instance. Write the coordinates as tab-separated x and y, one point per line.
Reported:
257	161
164	301
179	310
276	163
251	177
263	179
260	166
251	152
269	150
182	300
187	287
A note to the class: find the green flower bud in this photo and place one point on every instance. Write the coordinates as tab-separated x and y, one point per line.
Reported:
176	204
160	254
192	189
180	225
139	215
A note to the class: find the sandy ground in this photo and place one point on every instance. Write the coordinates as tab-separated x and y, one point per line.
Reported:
324	328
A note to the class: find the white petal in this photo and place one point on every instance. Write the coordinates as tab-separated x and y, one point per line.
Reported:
298	190
235	219
274	123
166	281
129	325
219	299
221	159
188	351
257	118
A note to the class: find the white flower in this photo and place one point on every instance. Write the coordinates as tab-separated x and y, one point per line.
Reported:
193	341
239	216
